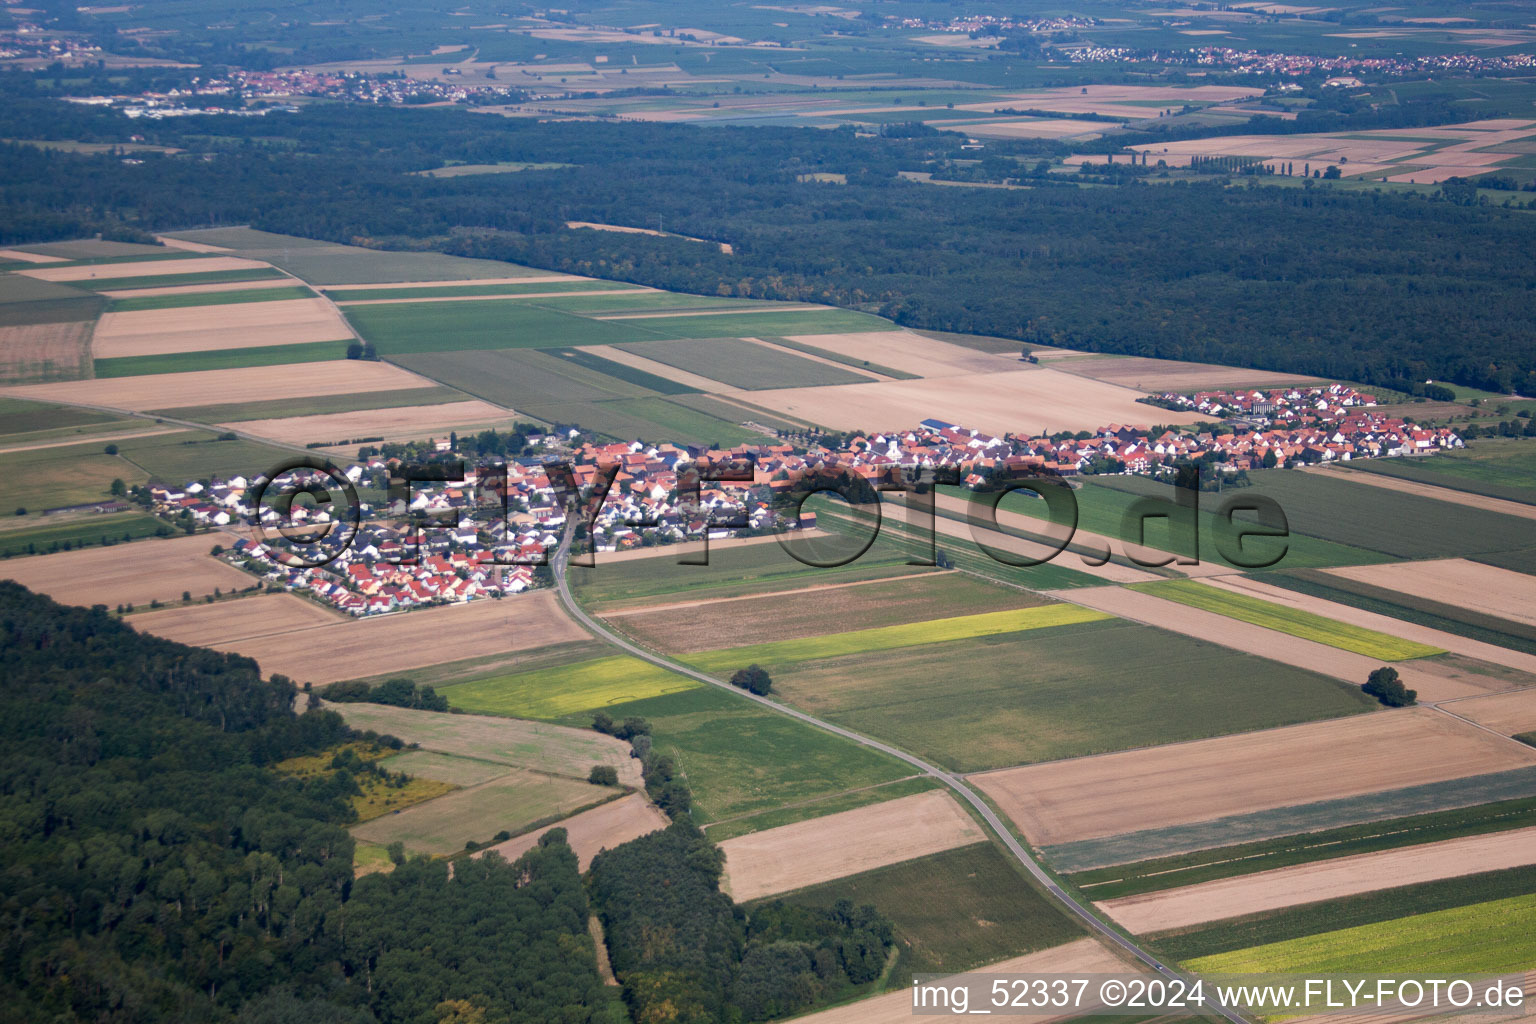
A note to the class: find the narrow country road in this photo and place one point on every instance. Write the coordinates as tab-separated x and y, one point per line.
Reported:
1024	857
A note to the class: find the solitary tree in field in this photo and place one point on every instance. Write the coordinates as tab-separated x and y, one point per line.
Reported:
753	679
1386	687
603	775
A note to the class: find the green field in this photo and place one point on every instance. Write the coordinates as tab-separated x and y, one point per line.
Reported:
104	284
513	802
194	454
518	378
319	405
732	572
398	328
1481	938
90	532
221	359
18	416
209	298
740	758
1365	518
1383	907
952	911
1292	621
810	321
1067	691
557	692
1247	858
743	364
651	419
883	638
1495	467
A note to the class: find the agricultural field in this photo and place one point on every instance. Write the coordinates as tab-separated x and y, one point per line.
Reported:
1293	621
1337	510
740	758
1471	586
759	566
1159	857
326	263
807	853
321	405
455	771
760	821
556	692
355	648
1337	877
1305	844
118	528
176	330
1159	375
512	802
881	638
402	328
93	274
394	423
1495	467
702	625
1511	713
223	359
908	352
203	625
745	364
952	911
1441	677
1491	937
590	832
222	386
1113	794
507	742
1064	691
137	574
198	296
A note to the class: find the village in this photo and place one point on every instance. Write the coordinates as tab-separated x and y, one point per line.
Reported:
494	530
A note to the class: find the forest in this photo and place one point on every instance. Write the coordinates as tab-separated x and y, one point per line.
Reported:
157	869
1361	286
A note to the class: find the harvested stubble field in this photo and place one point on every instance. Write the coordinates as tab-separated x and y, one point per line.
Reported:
811	852
393	424
511	802
504	741
1471	585
554	692
1435	679
1510	713
349	649
1187	782
227	288
740	758
456	771
154	570
207	387
907	634
1067	691
702	625
1287	619
203	625
952	911
37	353
142	269
744	364
1491	937
1322	880
590	832
198	328
1037	400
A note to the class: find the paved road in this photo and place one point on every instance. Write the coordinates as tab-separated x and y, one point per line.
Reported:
995	823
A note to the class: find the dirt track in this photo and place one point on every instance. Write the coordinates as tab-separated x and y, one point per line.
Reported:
1111	794
1509	713
810	852
1322	880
